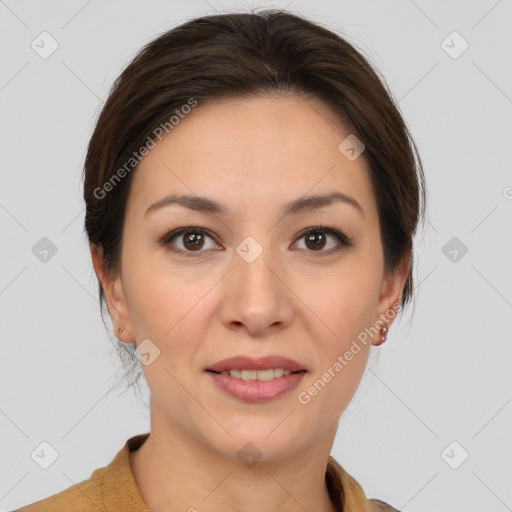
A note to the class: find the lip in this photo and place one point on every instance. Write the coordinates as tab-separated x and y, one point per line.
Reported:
255	390
242	362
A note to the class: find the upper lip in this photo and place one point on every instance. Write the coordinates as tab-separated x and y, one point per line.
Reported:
256	363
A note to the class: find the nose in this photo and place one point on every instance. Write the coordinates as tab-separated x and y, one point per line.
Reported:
256	296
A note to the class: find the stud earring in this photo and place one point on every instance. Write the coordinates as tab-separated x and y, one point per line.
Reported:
121	329
383	334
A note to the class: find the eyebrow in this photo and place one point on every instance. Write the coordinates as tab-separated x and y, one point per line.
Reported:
203	204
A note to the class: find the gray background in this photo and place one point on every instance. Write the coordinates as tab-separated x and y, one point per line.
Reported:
444	375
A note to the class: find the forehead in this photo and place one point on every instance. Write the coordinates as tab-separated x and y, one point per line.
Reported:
253	151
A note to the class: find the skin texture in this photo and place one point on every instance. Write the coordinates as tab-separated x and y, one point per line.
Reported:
296	299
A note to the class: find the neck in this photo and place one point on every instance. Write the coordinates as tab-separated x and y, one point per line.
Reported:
175	471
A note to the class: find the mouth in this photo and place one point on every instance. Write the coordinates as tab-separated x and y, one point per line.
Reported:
259	375
256	386
256	379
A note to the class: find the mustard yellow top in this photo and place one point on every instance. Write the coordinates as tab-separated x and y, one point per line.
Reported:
113	489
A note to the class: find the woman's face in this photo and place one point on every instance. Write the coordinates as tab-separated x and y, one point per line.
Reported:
256	280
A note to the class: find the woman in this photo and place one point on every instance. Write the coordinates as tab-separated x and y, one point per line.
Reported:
251	195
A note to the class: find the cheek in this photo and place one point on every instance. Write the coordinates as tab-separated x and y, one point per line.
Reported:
171	310
346	300
342	348
346	306
163	307
158	296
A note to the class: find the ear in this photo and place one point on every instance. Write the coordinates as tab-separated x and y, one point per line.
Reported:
114	295
390	296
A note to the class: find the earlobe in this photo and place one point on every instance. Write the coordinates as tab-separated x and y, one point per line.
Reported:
114	295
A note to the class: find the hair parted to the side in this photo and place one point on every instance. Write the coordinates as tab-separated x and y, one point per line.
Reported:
244	55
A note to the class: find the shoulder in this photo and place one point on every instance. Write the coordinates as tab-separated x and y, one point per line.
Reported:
82	497
113	484
381	506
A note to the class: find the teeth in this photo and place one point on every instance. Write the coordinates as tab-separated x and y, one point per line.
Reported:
257	374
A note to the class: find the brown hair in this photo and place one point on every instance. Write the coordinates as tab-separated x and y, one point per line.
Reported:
241	55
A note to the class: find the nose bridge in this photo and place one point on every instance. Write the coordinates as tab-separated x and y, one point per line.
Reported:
256	297
252	272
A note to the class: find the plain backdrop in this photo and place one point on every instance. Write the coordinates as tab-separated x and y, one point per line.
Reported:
429	427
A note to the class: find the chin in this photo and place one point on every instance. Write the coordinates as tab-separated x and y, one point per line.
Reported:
264	440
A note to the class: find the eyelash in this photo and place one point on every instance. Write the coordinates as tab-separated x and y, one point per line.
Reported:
169	237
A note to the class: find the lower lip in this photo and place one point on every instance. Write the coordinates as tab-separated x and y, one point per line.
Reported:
256	390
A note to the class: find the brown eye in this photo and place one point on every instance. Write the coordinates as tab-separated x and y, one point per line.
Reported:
189	240
193	240
317	239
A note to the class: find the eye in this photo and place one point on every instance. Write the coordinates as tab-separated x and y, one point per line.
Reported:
191	238
316	239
